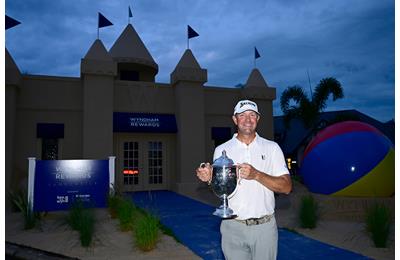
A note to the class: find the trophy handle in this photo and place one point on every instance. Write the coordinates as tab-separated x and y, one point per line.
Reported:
238	179
238	176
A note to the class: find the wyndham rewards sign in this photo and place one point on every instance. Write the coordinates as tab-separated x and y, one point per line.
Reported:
144	123
58	183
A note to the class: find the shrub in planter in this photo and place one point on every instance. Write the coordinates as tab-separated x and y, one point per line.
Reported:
82	220
87	228
147	232
378	223
113	203
126	213
308	214
20	202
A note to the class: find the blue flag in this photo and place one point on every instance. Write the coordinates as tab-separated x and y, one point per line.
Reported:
256	54
10	22
103	22
192	33
130	12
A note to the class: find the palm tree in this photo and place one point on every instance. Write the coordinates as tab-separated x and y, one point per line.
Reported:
305	109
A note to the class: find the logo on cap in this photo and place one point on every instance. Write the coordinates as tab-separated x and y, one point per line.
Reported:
244	105
247	103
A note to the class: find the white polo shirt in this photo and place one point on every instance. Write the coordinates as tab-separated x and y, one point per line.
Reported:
252	199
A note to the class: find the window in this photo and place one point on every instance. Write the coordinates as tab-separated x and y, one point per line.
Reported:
49	149
131	163
130	75
155	162
220	135
50	134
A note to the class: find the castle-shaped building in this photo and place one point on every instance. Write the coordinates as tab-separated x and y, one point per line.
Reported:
158	132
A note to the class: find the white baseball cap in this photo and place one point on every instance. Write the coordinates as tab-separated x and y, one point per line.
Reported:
244	105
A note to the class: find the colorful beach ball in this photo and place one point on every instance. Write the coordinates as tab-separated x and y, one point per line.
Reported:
349	159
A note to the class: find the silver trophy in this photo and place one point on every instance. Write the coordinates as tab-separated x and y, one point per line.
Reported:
223	183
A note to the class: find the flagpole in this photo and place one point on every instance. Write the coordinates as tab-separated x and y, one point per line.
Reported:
190	34
102	22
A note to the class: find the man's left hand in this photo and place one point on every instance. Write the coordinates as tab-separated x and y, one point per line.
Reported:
247	171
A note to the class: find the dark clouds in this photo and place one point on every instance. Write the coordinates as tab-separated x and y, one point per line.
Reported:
352	40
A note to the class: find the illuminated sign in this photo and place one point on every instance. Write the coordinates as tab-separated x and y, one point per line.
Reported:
130	172
144	123
58	183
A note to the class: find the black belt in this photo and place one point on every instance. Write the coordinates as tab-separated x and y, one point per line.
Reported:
256	221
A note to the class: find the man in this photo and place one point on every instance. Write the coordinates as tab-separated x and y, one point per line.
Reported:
253	234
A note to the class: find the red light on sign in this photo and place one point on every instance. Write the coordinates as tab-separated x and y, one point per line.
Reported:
130	172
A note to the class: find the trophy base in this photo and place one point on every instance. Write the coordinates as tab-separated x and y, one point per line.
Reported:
224	212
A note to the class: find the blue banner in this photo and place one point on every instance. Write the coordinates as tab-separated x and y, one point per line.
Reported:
11	22
256	53
58	183
144	123
103	21
191	33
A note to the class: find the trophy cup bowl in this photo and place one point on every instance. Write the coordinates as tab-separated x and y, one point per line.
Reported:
223	183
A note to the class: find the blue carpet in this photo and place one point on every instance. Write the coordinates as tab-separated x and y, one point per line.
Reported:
196	227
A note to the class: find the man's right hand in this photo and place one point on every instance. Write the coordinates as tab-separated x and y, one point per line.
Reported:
204	172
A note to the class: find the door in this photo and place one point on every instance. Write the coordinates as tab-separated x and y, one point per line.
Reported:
141	164
130	167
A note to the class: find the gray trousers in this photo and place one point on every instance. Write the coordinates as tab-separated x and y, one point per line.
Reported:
257	242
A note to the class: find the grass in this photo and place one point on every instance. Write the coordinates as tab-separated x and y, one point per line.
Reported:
378	223
20	202
87	228
113	202
146	227
74	215
147	232
164	229
308	214
126	214
82	220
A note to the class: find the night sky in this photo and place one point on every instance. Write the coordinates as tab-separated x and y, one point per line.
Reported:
351	40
